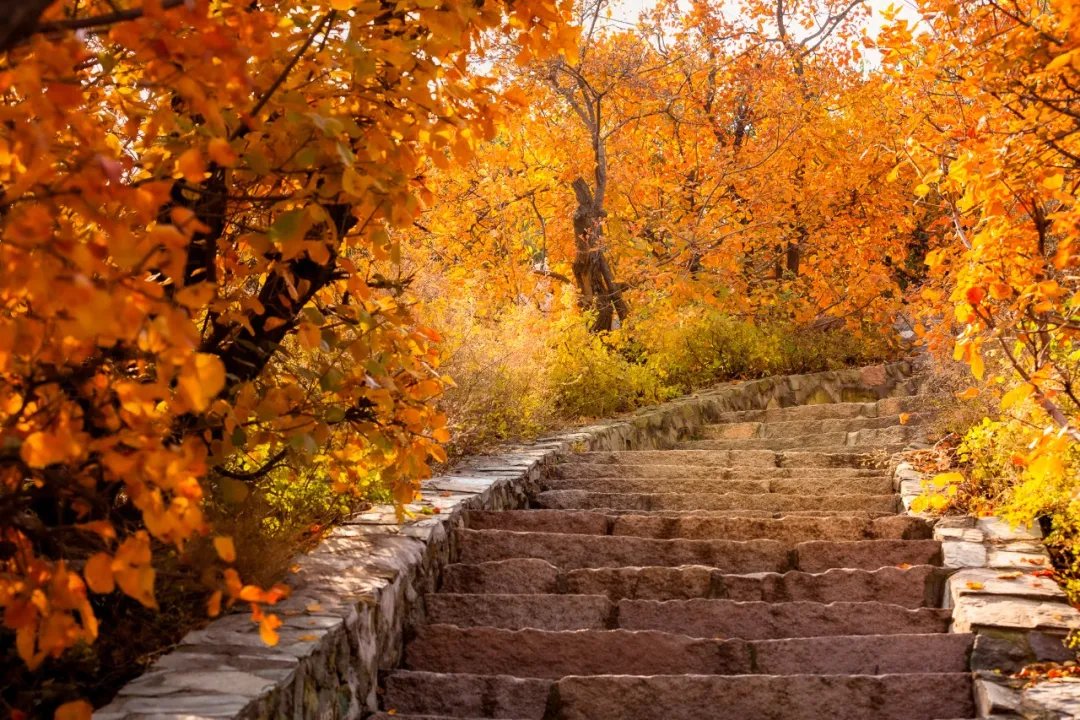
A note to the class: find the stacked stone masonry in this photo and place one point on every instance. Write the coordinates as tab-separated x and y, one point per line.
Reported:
741	553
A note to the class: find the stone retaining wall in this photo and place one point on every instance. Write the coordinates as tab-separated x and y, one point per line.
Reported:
355	594
1018	616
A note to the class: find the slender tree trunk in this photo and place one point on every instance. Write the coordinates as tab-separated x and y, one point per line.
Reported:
592	273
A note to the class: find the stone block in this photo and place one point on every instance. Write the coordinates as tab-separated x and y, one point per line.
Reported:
980	611
960	554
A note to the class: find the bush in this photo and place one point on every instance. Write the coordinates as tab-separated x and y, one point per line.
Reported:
521	372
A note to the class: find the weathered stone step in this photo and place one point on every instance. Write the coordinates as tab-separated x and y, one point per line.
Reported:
739	458
800	697
775	620
824	486
880	438
790	529
791	428
771	502
700	617
683	697
570	551
466	696
819	556
512	612
917	586
579	551
544	654
887	407
575	469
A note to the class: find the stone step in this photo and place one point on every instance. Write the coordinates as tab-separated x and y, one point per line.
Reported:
757	459
571	551
770	502
573	468
544	654
821	555
799	697
792	428
708	618
888	407
700	617
917	586
788	486
579	551
513	612
790	529
465	696
682	697
897	440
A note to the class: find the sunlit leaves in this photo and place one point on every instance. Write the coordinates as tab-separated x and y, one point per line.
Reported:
199	209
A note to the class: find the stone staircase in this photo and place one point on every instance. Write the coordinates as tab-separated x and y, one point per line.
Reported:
758	572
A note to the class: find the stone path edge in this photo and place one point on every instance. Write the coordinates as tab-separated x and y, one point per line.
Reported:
995	592
355	594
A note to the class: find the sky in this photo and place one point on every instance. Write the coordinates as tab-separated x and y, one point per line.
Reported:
625	12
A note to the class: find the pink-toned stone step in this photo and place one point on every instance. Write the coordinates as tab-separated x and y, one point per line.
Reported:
789	529
683	697
544	654
913	587
771	502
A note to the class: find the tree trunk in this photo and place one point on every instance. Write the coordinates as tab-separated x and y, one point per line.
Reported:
595	280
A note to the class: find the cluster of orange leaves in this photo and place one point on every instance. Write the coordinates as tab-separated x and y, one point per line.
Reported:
196	210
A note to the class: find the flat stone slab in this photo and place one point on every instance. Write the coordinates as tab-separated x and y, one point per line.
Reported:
578	551
989	581
535	653
801	697
974	611
769	620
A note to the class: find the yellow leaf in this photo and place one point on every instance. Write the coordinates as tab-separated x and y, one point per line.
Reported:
98	573
949	478
201	379
76	710
138	583
1018	394
191	166
978	368
975	585
221	152
922	190
1054	182
225	548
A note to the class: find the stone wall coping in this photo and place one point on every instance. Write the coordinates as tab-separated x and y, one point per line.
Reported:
997	590
356	592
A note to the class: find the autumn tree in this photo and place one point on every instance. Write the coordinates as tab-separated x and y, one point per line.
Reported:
194	197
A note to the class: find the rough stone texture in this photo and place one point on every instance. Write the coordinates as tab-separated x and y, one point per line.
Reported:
356	592
801	697
1018	617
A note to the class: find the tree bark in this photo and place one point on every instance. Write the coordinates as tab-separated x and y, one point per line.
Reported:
592	273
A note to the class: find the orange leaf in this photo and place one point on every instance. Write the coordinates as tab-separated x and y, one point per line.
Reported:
213	605
968	394
225	548
268	629
99	574
221	152
191	166
975	585
905	418
77	710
